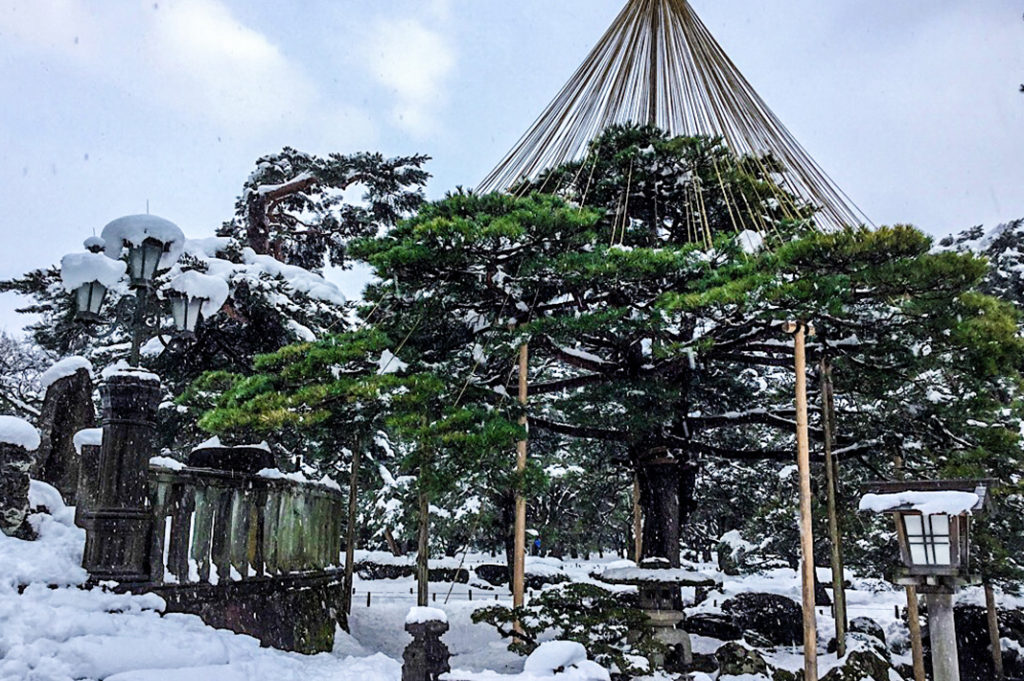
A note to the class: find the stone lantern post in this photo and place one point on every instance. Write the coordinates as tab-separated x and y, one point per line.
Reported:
933	522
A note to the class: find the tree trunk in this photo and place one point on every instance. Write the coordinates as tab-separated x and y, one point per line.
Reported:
659	478
67	409
256	233
350	540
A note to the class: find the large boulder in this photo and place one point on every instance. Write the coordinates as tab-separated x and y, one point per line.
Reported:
861	665
721	627
972	640
736	659
773	618
868	627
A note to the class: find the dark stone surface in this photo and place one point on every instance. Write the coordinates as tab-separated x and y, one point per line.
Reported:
867	626
779	620
249	460
972	641
736	659
427	657
494	574
118	528
67	409
297	613
370	570
720	627
15	463
861	665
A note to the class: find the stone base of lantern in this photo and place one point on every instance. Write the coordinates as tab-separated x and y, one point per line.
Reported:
665	624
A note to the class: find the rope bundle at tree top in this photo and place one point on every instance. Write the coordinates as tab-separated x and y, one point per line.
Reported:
658	64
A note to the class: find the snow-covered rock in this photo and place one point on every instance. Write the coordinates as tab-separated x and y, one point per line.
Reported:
68	366
421	615
15	431
87	436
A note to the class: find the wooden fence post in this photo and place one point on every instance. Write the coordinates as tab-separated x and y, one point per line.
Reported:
118	527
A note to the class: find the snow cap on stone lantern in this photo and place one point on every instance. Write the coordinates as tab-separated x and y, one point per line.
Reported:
933	521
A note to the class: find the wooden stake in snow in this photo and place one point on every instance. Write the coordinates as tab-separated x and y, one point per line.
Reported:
993	632
519	557
831	475
800	331
638	523
350	540
914	625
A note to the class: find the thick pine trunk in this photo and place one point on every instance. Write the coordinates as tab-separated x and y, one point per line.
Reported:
659	478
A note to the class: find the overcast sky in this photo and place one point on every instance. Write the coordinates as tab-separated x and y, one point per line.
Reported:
912	107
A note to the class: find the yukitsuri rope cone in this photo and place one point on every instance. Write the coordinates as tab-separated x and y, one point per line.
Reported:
658	64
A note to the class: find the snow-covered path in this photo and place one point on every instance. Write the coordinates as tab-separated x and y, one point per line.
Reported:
64	633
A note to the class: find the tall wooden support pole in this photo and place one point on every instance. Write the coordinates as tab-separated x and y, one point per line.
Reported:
519	557
993	633
423	548
914	624
800	332
638	523
350	540
831	475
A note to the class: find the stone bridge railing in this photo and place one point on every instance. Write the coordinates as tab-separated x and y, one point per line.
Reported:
254	554
213	526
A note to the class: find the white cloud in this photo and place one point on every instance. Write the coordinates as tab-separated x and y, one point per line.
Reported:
414	62
192	56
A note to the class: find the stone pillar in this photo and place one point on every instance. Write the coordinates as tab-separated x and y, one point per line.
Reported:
88	483
426	658
942	632
67	409
15	462
119	526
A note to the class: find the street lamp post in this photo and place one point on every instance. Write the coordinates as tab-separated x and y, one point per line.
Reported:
933	523
152	244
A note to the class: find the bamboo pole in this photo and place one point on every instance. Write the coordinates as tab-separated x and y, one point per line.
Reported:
519	557
831	475
914	625
350	540
993	632
800	331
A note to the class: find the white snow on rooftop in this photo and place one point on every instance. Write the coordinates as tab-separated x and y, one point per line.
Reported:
929	503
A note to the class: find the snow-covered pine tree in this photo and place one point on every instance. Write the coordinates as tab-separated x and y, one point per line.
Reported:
300	207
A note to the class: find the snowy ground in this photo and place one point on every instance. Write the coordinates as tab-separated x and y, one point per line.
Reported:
50	629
